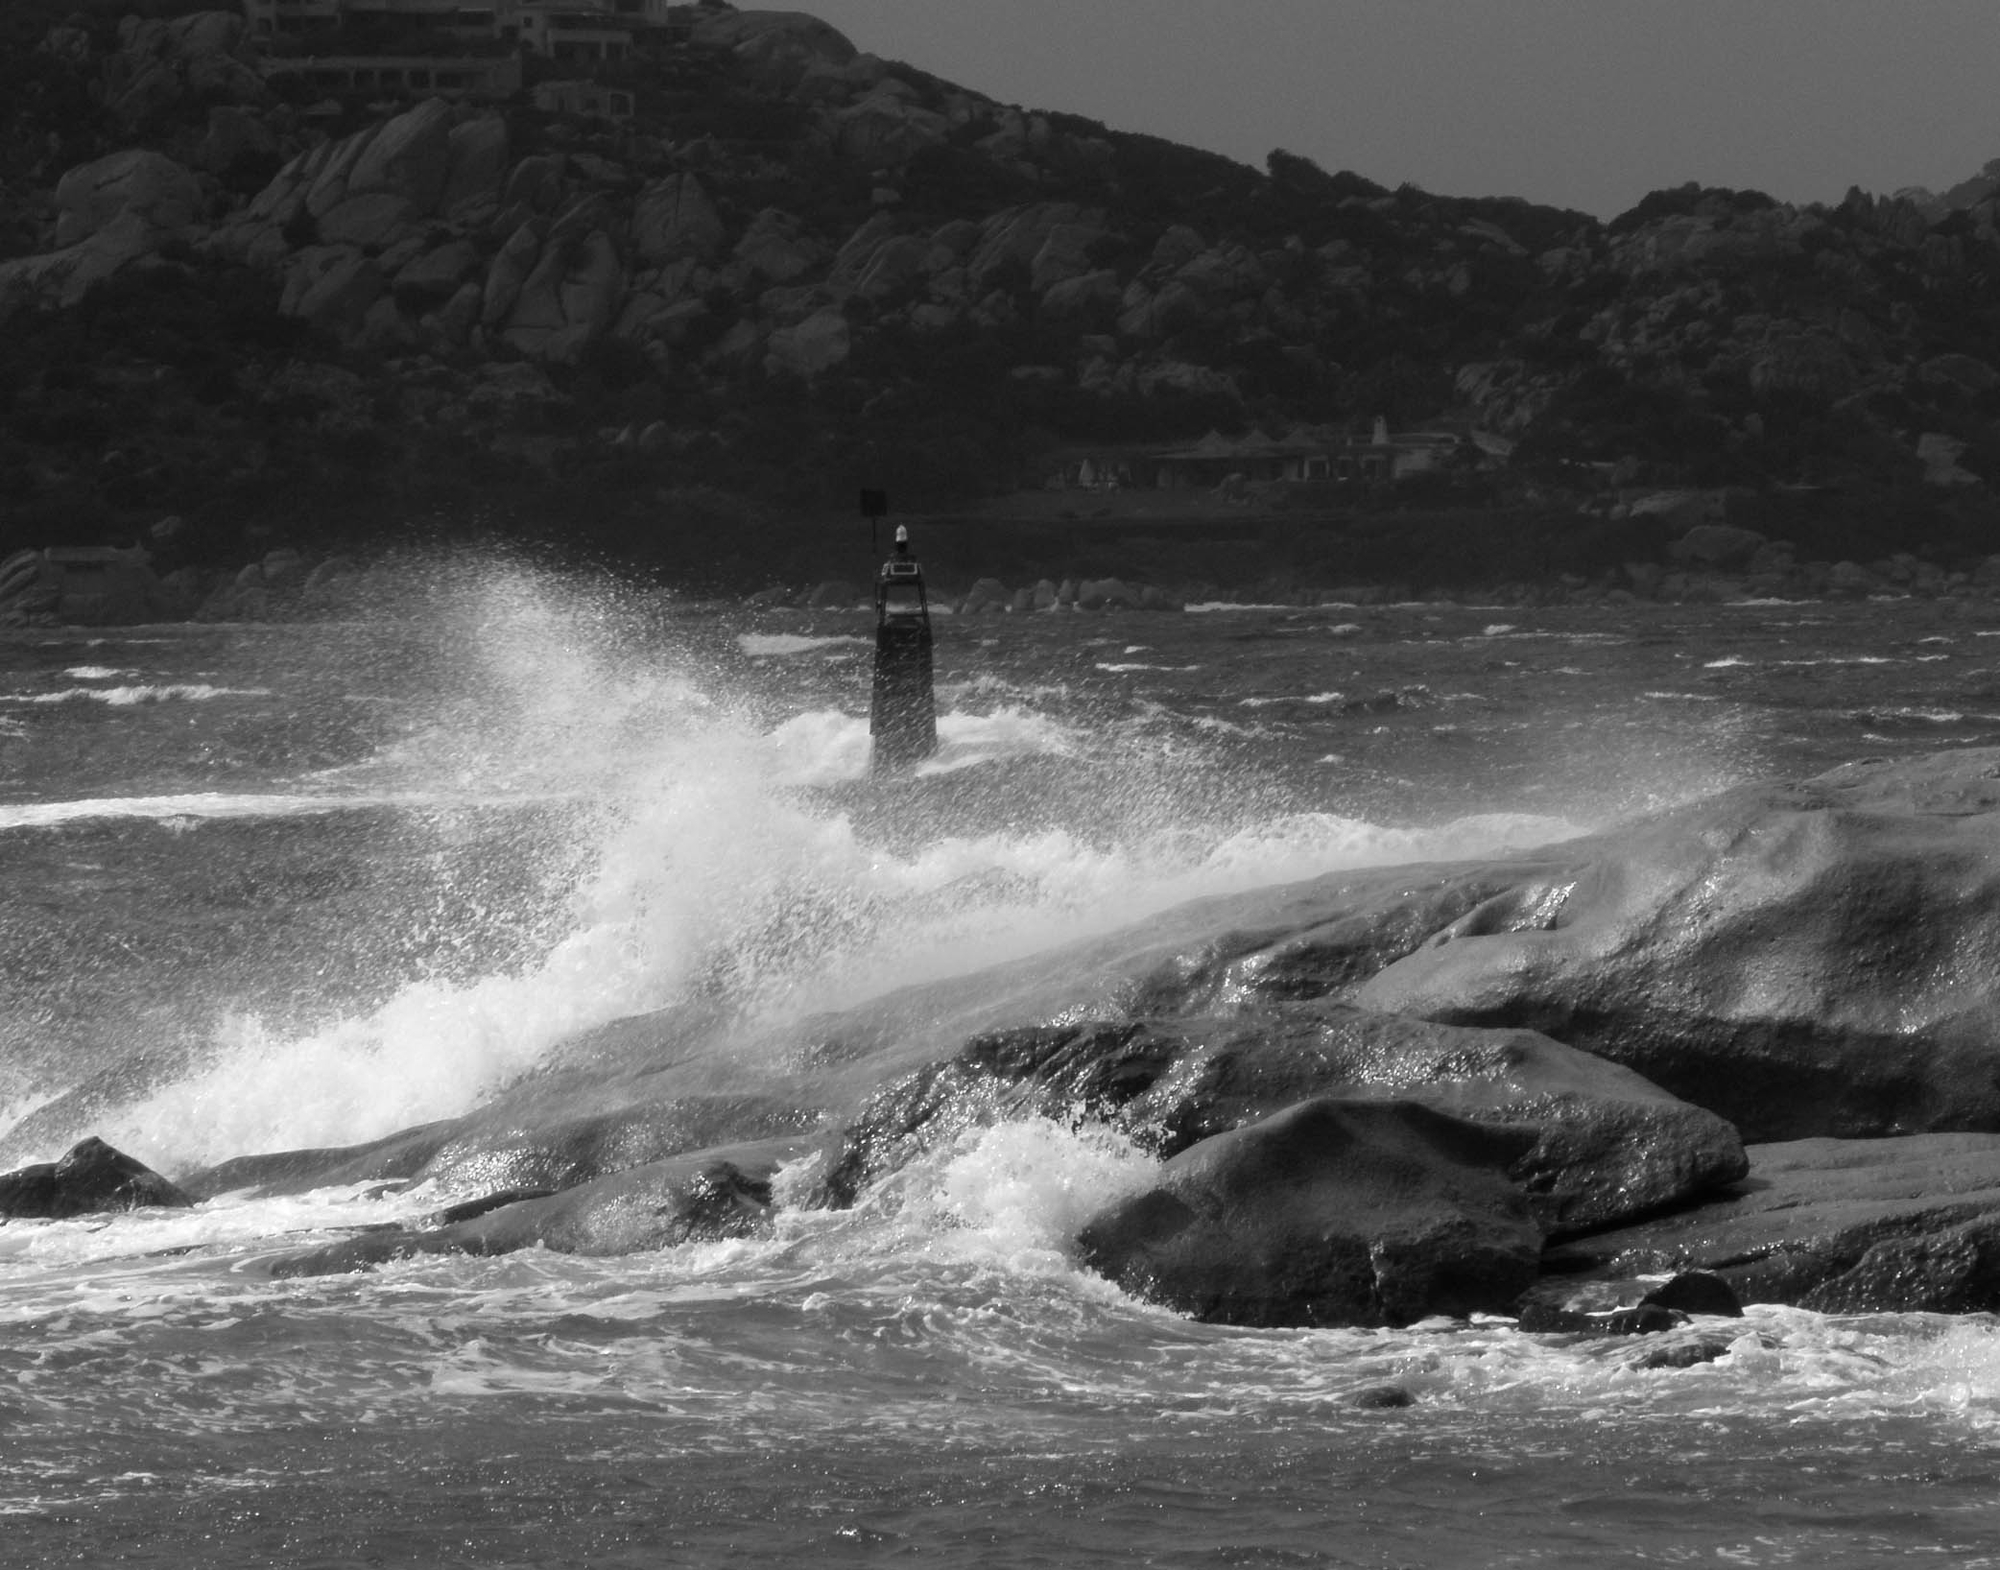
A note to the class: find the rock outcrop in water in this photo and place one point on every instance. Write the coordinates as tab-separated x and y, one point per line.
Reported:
1842	1226
714	1194
90	1178
1809	959
1378	1094
1605	1145
1329	1213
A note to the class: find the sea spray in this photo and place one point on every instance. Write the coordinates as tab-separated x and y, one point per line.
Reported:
703	857
702	835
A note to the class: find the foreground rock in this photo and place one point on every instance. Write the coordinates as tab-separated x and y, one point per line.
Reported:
1607	1145
1814	958
91	1177
1841	1226
1330	1213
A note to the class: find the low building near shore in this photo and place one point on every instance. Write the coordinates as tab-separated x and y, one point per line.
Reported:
1302	455
83	585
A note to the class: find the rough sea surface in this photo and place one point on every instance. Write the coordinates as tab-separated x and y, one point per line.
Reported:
274	887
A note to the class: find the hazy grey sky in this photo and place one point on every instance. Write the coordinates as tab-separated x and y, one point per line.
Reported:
1581	103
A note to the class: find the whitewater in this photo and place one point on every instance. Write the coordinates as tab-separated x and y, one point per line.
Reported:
291	886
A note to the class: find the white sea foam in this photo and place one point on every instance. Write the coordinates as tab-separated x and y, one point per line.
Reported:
966	740
196	804
223	1222
130	697
1015	1195
1925	716
964	1259
768	645
698	861
1316	697
714	864
95	673
703	850
828	747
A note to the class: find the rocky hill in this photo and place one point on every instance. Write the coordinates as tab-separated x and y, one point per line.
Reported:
686	336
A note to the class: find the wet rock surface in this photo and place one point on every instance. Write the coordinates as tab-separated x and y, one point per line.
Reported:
1805	959
1608	1144
1548	1049
90	1178
720	1193
1842	1226
1329	1213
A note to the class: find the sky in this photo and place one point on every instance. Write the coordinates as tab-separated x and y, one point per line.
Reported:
1586	104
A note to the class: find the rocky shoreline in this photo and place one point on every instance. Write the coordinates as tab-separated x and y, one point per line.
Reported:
786	268
1750	1038
1711	564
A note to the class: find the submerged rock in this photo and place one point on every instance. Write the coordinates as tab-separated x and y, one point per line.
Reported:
397	1158
1627	1308
1329	1213
91	1177
570	1138
707	1195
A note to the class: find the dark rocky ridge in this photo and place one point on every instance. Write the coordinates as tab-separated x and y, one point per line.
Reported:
89	1179
798	267
1329	1213
1811	960
1603	1143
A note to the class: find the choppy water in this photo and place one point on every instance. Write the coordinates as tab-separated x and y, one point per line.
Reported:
276	887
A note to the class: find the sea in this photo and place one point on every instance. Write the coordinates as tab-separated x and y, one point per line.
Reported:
267	887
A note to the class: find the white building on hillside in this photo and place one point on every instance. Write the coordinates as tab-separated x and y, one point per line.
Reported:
556	29
279	18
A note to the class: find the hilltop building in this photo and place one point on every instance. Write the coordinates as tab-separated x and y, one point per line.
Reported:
444	76
553	29
486	49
